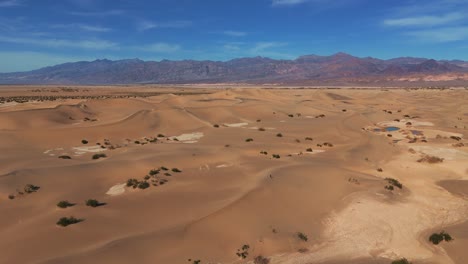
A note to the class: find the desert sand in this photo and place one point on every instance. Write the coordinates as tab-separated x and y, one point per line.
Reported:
234	174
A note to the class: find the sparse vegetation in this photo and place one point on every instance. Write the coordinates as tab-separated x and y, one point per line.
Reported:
431	159
98	156
65	157
279	135
309	150
84	141
263	152
276	156
309	138
30	188
261	260
392	183
176	170
249	140
261	129
66	221
401	261
456	138
215	125
93	203
11	197
143	185
436	238
64	204
302	236
243	252
161	136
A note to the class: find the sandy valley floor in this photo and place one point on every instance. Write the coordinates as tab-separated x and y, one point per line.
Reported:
245	166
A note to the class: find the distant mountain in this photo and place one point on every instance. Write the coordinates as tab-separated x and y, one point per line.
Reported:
340	68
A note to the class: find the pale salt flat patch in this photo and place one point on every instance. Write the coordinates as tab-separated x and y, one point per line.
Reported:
116	189
188	138
445	153
87	149
403	122
282	121
224	166
236	124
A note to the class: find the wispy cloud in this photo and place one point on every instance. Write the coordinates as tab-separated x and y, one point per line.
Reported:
147	25
444	34
84	27
10	3
425	20
262	46
98	13
233	33
287	2
61	43
160	47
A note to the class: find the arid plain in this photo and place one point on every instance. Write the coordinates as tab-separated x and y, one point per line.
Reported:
219	174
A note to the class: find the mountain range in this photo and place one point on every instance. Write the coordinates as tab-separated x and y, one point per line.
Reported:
337	69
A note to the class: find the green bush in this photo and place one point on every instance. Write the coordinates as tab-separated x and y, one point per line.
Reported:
132	183
302	236
66	221
30	188
143	185
153	172
394	182
436	238
401	261
93	203
64	204
98	156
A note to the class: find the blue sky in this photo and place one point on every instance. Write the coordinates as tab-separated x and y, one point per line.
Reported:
37	33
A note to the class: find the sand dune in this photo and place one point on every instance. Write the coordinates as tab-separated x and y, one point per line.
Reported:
262	166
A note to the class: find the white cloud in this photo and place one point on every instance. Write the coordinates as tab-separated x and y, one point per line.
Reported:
84	27
425	20
287	2
160	47
233	33
262	46
445	34
98	14
10	3
61	43
146	25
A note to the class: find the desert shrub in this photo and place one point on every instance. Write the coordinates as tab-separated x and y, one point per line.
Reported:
291	115
132	183
98	156
279	135
431	159
66	221
65	157
309	138
309	150
137	142
84	141
143	185
29	188
401	261
153	172
389	187
64	204
302	236
249	140
276	156
394	182
261	129
297	140
176	170
259	120
216	125
243	252
161	136
164	168
11	197
147	177
261	260
456	138
380	170
264	152
436	238
328	144
93	203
